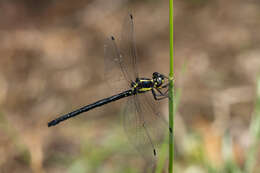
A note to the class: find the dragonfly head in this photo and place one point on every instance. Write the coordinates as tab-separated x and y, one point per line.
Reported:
158	79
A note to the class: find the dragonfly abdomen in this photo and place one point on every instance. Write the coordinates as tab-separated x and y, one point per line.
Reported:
91	106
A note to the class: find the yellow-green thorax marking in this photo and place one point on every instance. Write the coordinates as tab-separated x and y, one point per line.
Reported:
145	84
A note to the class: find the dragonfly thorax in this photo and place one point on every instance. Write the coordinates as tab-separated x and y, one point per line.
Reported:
142	85
145	84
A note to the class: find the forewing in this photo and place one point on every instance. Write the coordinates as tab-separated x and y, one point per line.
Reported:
115	74
128	47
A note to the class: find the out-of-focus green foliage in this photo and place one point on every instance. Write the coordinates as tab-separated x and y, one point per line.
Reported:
252	156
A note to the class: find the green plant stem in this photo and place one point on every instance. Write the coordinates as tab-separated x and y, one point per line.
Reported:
171	92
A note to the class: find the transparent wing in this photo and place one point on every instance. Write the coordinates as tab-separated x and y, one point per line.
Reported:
155	107
155	122
143	127
128	47
121	64
115	74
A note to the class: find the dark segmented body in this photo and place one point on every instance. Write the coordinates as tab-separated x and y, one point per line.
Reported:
141	85
91	106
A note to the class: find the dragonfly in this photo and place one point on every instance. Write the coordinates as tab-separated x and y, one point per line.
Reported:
140	114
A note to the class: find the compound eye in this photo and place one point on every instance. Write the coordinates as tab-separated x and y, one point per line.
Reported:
155	74
159	80
162	77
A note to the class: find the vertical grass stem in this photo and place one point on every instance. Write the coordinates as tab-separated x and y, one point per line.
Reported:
171	91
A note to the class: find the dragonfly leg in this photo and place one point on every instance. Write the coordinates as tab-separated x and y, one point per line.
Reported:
159	96
161	93
166	85
165	92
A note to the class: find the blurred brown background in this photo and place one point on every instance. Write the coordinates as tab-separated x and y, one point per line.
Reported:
52	62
